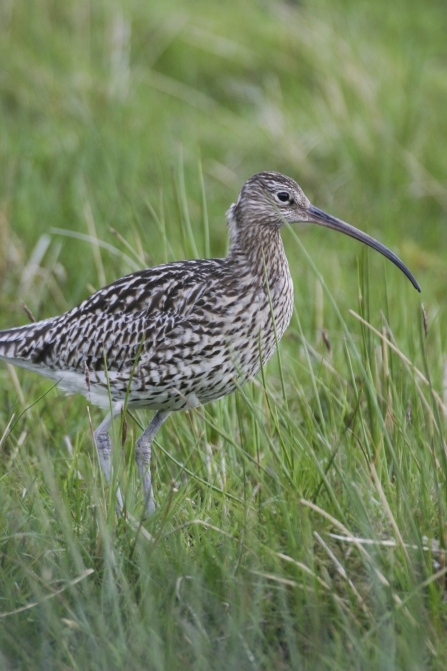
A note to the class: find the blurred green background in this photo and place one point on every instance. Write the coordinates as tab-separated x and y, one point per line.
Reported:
136	124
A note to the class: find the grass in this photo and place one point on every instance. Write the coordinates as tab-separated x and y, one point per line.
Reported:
301	522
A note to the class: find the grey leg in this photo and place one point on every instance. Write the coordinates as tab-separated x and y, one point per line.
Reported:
143	451
104	448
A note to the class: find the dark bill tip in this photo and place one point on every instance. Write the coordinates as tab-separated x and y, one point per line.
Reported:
323	219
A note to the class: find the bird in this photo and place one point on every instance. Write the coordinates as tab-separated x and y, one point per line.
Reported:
182	334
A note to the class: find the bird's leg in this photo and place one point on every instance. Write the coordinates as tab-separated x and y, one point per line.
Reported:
143	451
104	448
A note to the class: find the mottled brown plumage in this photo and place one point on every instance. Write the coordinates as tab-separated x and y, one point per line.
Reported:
184	333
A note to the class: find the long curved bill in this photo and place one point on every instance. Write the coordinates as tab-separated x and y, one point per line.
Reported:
323	219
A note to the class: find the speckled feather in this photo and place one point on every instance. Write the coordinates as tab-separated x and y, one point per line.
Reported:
179	333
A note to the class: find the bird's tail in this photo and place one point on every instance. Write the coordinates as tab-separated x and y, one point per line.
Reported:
17	343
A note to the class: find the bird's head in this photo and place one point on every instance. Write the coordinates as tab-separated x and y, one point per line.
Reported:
270	199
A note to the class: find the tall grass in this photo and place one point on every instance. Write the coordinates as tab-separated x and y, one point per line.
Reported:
300	523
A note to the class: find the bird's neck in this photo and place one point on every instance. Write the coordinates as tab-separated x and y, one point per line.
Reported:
259	248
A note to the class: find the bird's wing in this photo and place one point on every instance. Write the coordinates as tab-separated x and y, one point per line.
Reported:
137	317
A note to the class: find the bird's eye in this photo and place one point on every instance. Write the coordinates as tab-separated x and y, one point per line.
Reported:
283	196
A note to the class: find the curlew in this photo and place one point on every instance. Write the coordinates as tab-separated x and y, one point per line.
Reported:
185	333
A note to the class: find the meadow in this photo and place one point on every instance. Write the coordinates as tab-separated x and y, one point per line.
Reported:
301	522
